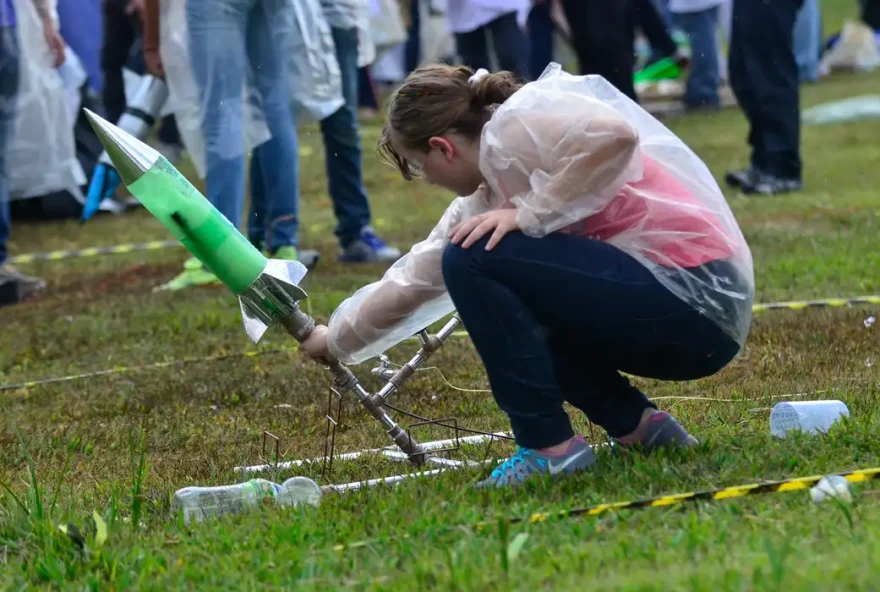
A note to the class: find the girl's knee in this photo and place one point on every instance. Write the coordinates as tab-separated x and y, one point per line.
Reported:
456	262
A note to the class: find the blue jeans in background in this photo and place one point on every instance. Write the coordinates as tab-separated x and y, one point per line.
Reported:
342	146
540	28
508	40
704	78
808	40
665	14
9	79
559	318
227	36
413	49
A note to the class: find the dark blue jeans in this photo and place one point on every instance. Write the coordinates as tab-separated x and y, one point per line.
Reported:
508	40
342	146
413	48
9	78
540	29
764	78
559	318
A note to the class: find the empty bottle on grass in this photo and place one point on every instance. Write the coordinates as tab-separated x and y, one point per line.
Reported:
806	416
198	503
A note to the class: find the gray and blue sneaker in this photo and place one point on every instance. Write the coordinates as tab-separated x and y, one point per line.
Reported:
662	432
741	178
369	248
526	462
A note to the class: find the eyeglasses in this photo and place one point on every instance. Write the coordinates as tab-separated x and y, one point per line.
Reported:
416	169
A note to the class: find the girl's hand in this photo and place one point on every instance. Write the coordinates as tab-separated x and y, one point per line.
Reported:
500	221
316	345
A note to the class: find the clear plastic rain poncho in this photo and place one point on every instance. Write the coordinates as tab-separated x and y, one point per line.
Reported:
41	157
312	70
573	154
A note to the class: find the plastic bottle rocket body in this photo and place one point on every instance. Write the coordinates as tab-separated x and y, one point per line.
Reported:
268	290
137	120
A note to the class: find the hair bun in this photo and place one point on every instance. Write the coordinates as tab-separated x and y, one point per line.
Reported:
493	88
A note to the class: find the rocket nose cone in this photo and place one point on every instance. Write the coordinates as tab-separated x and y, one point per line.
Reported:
130	157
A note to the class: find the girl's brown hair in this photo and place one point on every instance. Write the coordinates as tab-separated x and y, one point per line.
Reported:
436	100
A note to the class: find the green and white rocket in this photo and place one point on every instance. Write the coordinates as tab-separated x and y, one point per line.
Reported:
267	289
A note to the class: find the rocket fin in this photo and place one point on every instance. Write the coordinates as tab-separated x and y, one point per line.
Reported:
253	325
289	274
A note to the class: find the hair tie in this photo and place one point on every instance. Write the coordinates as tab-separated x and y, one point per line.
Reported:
478	75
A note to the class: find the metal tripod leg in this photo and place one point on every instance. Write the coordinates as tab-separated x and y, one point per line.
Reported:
300	325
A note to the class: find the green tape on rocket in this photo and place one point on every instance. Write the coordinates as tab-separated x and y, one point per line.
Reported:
202	229
267	290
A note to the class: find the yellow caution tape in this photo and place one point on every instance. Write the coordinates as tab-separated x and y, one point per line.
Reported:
674	499
93	252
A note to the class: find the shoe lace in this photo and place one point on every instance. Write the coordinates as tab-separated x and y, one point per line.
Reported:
370	239
509	464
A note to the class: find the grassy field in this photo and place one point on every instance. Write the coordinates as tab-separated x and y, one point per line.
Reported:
120	445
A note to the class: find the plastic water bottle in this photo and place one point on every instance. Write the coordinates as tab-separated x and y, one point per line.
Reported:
299	490
807	416
199	503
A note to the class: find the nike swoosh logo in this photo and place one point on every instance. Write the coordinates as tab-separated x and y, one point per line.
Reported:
554	469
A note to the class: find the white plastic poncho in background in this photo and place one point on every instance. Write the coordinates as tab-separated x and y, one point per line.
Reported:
573	154
73	77
348	14
856	50
387	28
41	158
315	79
437	43
313	75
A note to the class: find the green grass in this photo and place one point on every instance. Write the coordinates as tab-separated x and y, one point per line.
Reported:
121	445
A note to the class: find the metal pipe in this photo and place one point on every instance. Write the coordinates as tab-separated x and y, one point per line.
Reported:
427	446
430	344
355	485
300	325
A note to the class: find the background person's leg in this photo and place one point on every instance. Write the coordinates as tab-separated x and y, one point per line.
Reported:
655	29
871	13
5	220
764	77
413	48
119	36
17	285
704	77
366	91
9	81
473	48
258	212
540	32
279	157
510	44
603	36
342	147
168	132
808	40
217	53
217	56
